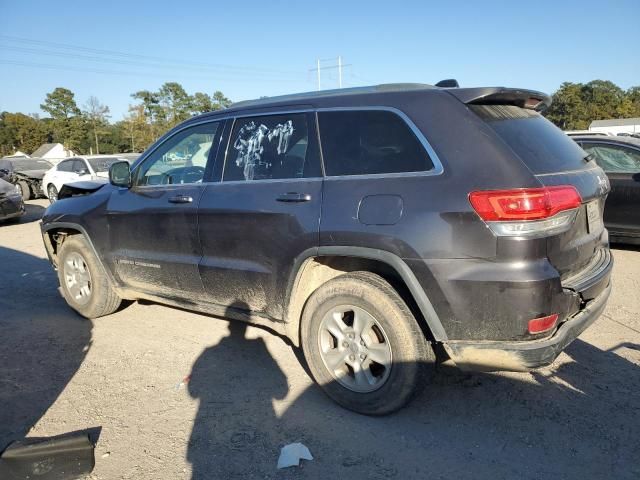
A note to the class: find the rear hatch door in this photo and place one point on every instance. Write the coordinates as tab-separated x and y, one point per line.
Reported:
555	159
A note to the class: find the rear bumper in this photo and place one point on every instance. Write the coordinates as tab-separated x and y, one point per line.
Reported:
526	355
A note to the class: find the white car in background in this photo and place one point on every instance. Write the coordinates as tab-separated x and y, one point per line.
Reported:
76	169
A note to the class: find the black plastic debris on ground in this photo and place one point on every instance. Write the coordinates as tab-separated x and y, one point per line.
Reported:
64	457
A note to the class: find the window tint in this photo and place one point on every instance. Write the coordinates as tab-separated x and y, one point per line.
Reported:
22	165
66	166
271	147
79	165
369	142
102	164
181	159
613	158
542	146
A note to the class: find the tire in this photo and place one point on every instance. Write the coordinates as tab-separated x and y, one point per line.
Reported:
52	193
25	190
407	360
78	268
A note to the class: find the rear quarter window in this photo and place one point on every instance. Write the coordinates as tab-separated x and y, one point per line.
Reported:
366	142
542	146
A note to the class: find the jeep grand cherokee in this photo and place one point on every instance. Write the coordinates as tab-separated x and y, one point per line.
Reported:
370	226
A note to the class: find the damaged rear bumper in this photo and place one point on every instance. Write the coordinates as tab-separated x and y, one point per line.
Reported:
526	355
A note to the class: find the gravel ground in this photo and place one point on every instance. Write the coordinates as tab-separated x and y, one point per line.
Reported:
182	395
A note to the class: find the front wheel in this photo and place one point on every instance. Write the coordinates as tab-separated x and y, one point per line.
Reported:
52	193
25	190
363	345
84	282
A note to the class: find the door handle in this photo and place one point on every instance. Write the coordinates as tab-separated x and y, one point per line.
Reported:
181	199
293	197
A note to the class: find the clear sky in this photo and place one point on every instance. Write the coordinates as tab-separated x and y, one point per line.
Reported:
250	48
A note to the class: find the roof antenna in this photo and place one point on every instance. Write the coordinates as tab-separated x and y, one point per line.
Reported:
448	83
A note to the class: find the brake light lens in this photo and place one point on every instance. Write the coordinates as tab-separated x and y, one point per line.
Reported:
543	324
525	203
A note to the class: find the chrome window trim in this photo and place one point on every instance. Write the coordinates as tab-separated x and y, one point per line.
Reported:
437	169
268	180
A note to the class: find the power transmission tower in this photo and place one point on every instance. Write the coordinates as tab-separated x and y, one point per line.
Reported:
339	66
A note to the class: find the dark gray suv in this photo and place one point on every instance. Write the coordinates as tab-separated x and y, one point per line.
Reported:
377	228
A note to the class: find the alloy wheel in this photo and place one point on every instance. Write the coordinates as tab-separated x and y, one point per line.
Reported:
355	349
77	278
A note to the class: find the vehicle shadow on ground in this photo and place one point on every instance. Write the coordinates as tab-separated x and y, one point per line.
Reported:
33	213
579	420
42	342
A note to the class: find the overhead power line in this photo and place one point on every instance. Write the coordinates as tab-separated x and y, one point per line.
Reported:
174	75
107	55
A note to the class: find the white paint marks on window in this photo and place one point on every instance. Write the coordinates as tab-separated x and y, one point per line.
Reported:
250	147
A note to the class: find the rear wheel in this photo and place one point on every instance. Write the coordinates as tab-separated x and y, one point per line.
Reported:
25	190
52	193
363	345
84	283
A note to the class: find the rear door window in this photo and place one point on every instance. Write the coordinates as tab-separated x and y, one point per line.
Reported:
542	146
369	142
66	166
614	158
271	147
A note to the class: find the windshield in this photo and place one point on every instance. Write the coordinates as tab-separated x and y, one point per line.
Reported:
30	164
103	164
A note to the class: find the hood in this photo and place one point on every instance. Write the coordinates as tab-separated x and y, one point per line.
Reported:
37	174
80	188
102	174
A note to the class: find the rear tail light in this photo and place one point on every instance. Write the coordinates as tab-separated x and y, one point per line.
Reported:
543	324
527	211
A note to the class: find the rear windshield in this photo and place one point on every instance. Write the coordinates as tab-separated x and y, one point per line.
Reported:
542	146
30	164
103	164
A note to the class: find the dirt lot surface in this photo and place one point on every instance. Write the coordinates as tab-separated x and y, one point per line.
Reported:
181	395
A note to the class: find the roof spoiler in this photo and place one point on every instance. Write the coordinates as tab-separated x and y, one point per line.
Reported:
529	99
448	83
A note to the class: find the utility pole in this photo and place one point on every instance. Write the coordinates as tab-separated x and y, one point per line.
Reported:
339	66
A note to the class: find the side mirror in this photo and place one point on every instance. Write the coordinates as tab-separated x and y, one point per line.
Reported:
82	171
120	174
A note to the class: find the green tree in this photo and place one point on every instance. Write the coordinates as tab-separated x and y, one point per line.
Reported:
568	109
220	101
201	103
603	99
176	103
60	104
633	95
97	114
137	130
21	132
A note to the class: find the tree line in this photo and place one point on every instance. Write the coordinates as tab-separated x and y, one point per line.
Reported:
88	129
576	105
